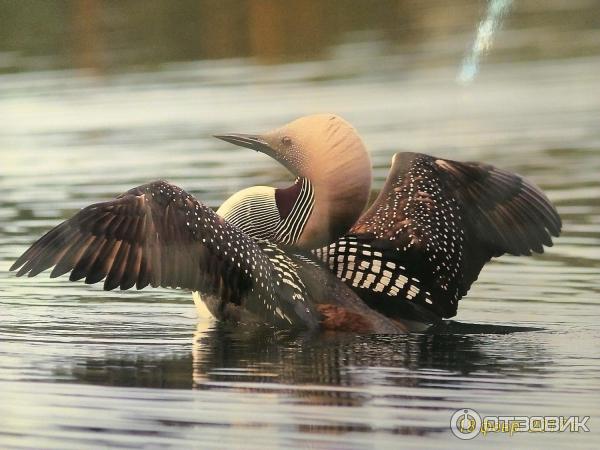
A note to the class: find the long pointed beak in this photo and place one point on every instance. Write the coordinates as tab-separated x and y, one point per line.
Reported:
252	141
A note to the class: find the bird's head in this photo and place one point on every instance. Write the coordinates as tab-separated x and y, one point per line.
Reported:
332	164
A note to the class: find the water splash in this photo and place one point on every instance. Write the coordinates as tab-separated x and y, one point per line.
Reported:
496	11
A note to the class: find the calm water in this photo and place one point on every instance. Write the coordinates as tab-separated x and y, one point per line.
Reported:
81	368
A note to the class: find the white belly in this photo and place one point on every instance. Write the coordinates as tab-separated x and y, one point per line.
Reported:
203	312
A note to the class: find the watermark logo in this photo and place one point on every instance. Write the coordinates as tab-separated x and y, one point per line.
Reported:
468	423
465	423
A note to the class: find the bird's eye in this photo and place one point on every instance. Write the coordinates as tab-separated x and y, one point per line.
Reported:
286	140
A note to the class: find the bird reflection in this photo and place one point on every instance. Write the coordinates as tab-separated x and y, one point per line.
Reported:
328	368
333	370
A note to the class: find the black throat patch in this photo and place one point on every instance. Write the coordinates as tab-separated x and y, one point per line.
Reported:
294	205
286	198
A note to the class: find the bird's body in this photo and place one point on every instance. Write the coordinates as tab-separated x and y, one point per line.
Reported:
410	257
159	235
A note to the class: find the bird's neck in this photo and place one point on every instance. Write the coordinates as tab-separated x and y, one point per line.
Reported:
295	205
339	199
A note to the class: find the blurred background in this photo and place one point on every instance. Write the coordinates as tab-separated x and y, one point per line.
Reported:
106	36
99	96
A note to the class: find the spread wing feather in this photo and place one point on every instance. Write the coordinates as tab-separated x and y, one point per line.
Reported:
159	235
442	220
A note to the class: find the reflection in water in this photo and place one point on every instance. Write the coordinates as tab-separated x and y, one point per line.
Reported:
332	376
240	357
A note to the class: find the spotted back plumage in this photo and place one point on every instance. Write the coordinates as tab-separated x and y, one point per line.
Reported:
434	225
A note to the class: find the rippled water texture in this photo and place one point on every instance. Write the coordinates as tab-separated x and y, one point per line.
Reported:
82	368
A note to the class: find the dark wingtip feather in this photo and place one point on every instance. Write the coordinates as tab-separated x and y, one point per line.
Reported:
110	285
25	268
24	264
27	254
58	271
18	263
94	277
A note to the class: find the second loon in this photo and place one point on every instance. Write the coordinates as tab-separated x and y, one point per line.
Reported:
410	257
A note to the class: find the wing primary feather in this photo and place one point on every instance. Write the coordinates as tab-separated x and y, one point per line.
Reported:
41	245
103	262
144	277
82	266
132	269
47	260
43	251
70	258
113	279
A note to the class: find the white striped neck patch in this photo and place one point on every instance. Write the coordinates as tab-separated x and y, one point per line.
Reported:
277	215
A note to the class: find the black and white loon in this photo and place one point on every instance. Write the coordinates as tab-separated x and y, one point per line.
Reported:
410	257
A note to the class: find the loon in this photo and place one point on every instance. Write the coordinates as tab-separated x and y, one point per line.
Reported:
423	242
410	257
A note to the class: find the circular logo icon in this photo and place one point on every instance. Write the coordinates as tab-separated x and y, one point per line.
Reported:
465	423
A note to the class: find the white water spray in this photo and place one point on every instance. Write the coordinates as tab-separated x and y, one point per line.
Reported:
496	11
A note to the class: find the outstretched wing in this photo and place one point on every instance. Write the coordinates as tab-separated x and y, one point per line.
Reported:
434	225
159	235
